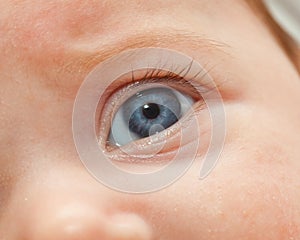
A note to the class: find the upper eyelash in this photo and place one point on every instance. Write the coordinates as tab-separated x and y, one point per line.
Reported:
168	75
155	75
195	85
159	75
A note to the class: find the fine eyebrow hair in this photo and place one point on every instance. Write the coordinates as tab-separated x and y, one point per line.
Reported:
192	41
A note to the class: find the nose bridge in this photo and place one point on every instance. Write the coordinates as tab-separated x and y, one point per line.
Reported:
86	211
80	221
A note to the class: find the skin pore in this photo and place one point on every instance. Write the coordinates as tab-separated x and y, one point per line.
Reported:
48	48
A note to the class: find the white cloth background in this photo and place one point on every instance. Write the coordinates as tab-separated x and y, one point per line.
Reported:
287	14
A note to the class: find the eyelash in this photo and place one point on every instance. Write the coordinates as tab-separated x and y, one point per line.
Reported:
152	76
168	77
158	75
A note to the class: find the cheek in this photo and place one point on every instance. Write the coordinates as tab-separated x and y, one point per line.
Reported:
253	191
240	198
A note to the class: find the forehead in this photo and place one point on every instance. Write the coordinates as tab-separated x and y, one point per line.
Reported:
35	27
76	17
57	38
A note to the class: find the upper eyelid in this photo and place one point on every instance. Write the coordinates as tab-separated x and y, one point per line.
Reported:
148	76
164	39
196	83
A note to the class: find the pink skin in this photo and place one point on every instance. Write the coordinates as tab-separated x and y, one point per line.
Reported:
46	193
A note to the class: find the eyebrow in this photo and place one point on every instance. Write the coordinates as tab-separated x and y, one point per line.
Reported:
192	41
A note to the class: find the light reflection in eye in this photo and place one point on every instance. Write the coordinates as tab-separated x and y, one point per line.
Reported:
107	86
148	112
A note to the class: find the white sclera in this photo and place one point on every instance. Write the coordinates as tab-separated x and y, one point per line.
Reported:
120	134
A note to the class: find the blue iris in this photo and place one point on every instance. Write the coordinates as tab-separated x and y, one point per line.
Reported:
151	108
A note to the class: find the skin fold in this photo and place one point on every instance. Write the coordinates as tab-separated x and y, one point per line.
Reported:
47	49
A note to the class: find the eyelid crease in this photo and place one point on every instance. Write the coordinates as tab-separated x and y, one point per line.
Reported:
168	77
155	38
123	87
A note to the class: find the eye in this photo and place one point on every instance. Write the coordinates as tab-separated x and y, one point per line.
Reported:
176	100
147	112
155	97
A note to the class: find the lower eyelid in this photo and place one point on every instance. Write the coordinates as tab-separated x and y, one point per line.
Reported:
170	139
109	110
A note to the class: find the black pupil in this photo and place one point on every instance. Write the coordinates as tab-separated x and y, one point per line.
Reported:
151	110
